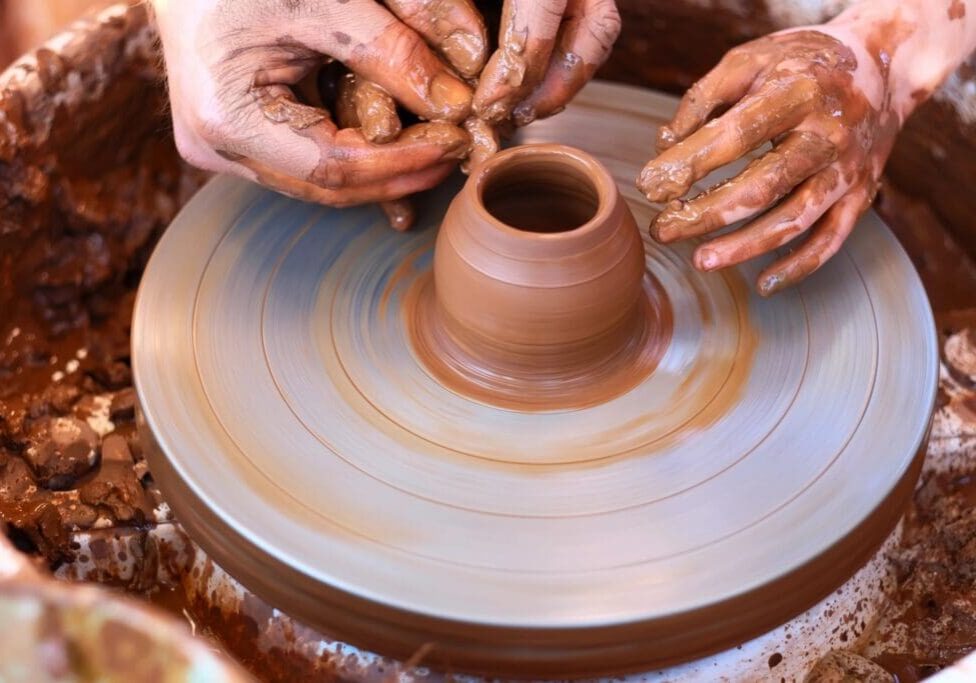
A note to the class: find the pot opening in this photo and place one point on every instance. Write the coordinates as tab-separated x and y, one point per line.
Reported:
548	194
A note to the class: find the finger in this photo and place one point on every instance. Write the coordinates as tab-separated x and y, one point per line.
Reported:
776	227
379	48
528	33
370	107
485	142
400	213
390	190
724	85
377	113
760	117
344	109
452	27
353	160
301	142
825	240
763	183
585	40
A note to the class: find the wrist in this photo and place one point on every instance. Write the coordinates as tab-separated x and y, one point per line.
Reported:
914	44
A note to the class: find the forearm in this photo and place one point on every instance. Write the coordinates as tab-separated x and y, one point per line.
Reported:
915	44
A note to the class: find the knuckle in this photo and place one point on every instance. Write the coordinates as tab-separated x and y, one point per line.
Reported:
330	173
209	124
344	202
609	23
212	129
192	149
407	45
414	12
737	54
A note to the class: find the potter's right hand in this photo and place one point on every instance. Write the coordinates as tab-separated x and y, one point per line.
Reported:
831	99
231	67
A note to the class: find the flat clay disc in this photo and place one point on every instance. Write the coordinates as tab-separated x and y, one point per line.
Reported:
310	453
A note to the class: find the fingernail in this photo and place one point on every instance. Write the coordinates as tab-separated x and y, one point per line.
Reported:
466	51
450	96
658	232
524	114
665	138
770	284
706	259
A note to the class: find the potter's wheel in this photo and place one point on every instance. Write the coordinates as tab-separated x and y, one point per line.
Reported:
311	454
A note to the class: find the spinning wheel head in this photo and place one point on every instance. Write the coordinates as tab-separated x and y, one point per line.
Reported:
298	420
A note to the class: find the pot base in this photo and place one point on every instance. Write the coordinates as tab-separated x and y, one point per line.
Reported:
537	387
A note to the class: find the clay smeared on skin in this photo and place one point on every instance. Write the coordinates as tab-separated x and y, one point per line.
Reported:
805	83
547	51
520	62
568	74
453	27
485	142
343	168
766	180
365	105
883	41
236	105
585	40
354	101
394	61
851	83
280	107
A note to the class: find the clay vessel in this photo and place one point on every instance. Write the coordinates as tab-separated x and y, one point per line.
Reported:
539	264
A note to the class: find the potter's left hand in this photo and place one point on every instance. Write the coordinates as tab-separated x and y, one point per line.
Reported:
831	100
547	51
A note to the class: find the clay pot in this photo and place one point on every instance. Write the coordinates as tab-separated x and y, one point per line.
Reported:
539	263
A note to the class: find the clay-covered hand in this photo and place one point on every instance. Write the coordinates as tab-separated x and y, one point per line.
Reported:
547	51
233	66
827	112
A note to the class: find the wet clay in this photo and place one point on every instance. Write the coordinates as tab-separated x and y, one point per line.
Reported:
485	142
547	51
365	105
78	216
524	48
539	299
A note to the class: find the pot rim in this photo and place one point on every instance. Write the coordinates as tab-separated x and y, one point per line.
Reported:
556	154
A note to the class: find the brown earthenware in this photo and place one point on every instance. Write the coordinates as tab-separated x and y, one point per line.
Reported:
540	284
